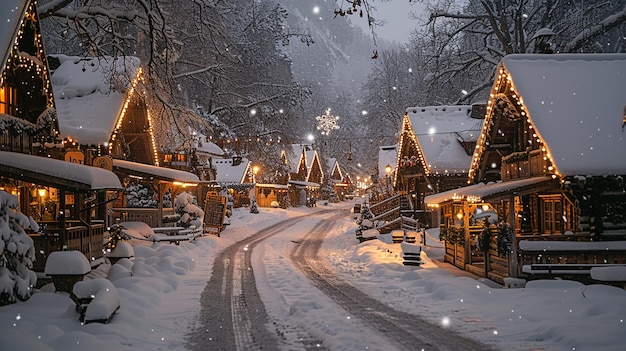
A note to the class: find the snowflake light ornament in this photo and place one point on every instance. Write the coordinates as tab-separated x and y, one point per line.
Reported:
327	122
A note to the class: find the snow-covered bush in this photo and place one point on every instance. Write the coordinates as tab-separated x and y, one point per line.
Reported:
190	213
141	196
254	207
17	251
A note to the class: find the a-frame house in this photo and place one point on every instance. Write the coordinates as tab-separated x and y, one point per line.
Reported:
549	163
434	151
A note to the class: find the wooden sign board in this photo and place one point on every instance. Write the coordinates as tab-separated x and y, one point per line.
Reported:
214	213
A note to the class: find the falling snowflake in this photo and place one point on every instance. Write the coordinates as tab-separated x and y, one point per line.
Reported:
327	122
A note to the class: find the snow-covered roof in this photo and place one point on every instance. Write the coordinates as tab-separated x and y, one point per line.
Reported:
577	104
482	190
59	172
167	174
226	173
12	14
439	130
387	155
294	154
274	186
332	165
207	147
298	183
311	155
89	95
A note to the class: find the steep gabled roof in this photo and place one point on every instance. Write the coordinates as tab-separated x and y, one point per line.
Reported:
576	106
12	13
227	173
440	132
293	154
333	167
90	95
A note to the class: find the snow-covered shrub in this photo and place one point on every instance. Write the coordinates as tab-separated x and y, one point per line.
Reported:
190	213
17	251
254	208
140	196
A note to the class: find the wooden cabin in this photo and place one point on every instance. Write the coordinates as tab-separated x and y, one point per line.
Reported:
338	179
101	107
548	162
236	175
272	195
103	114
305	174
434	153
67	199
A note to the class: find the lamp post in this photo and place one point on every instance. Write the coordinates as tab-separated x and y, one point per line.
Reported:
388	170
255	170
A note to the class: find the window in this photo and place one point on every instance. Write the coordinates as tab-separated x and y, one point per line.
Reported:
552	214
8	100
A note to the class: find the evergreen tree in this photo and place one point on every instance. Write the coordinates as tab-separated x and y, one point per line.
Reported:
17	252
254	208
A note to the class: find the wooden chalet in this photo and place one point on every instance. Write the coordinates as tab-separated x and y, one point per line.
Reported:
305	174
434	153
549	168
235	174
104	117
339	179
67	199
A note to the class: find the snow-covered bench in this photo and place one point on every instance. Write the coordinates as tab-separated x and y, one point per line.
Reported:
565	268
98	300
184	234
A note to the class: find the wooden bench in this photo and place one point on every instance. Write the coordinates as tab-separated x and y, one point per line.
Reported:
564	268
185	234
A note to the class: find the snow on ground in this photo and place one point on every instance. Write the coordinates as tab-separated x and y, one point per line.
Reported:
160	303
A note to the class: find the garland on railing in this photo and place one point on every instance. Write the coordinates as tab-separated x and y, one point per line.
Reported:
503	240
453	234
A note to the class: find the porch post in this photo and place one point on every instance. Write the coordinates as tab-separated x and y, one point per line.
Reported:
160	190
513	264
466	234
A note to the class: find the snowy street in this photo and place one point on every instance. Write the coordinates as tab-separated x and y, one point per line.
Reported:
233	314
172	299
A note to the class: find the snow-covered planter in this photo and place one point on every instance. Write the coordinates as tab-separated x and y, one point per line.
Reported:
121	250
17	251
98	300
66	268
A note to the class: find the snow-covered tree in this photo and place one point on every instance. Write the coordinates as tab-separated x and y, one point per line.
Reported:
17	251
254	207
141	196
190	213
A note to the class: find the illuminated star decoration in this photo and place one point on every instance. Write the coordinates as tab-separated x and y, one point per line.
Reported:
327	122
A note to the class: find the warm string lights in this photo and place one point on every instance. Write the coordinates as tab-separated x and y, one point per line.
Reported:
33	62
408	132
504	85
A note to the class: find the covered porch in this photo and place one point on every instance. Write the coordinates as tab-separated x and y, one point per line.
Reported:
69	201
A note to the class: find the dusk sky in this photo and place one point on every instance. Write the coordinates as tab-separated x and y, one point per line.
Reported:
397	15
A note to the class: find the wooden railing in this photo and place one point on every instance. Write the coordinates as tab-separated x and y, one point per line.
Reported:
78	236
150	216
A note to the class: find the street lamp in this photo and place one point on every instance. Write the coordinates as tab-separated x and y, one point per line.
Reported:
388	170
255	170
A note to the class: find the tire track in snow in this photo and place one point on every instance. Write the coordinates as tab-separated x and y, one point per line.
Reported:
232	315
403	330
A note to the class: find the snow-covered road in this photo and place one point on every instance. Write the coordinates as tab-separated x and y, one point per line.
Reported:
234	315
